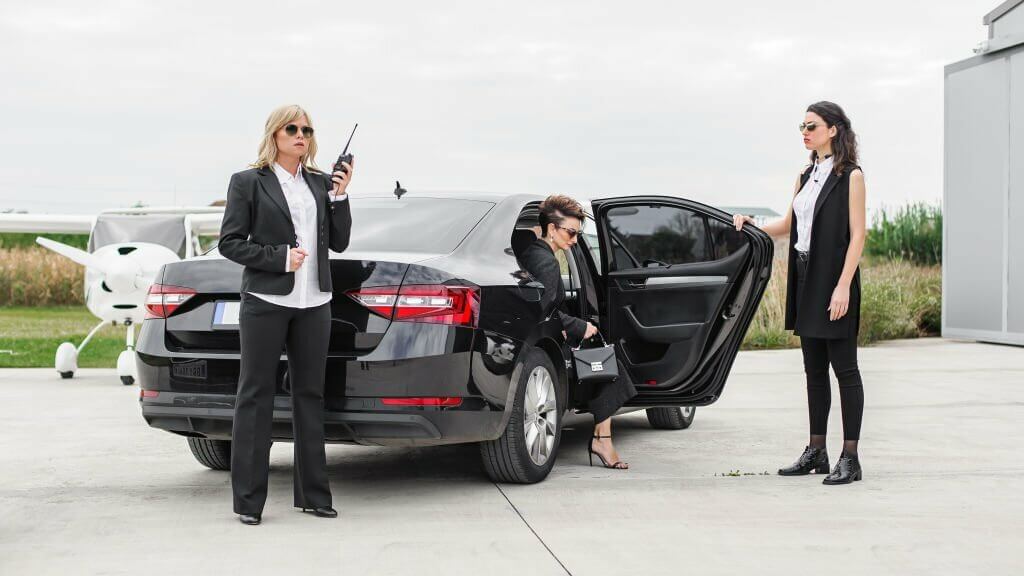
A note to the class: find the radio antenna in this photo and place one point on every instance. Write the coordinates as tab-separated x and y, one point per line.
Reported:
345	151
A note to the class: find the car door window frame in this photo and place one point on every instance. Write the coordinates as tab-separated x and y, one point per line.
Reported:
608	254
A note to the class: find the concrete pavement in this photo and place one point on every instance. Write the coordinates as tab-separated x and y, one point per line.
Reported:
87	488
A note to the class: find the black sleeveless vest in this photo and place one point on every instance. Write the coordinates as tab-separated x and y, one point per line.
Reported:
830	239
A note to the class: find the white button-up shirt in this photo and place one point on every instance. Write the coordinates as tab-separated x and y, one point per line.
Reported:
306	292
803	204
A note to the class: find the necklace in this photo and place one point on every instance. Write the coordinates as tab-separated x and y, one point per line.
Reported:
815	174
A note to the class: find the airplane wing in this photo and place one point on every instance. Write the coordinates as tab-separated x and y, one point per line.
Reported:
46	223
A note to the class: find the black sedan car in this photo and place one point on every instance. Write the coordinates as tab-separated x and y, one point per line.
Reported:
439	337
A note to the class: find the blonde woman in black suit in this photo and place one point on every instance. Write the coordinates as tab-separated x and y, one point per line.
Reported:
282	216
826	229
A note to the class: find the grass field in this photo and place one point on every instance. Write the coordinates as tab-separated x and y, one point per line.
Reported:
29	337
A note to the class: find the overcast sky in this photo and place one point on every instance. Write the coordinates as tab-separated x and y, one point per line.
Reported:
109	103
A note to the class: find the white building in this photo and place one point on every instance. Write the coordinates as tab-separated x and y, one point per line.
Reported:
983	196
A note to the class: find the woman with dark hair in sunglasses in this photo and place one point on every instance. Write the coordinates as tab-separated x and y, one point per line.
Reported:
281	218
826	227
561	220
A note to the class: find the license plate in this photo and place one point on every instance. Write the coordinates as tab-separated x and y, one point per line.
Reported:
225	315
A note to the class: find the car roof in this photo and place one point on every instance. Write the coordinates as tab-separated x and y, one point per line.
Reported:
480	196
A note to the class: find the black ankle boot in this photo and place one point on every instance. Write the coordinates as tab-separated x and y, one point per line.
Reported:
813	459
847	470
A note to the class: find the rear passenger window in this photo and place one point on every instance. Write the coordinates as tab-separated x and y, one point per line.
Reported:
725	239
656	235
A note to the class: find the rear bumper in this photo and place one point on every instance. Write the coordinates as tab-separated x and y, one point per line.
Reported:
211	415
195	391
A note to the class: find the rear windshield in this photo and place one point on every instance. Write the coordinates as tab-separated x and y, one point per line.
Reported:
426	225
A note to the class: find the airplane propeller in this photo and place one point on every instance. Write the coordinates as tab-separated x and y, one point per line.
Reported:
80	256
120	274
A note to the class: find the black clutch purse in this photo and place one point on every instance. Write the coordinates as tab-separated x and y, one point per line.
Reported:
596	365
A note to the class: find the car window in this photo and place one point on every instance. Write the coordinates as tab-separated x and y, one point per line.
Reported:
567	270
725	239
592	243
563	266
419	225
651	235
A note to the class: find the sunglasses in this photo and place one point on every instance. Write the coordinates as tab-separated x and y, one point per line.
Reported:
571	231
809	126
293	129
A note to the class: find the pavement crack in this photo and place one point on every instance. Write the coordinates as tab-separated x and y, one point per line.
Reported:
539	539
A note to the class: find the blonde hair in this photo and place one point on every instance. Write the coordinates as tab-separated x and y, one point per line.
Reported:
278	119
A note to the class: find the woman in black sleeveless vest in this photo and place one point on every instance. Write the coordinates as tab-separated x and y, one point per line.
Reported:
826	228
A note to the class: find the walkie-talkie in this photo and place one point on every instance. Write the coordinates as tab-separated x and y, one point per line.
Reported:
345	156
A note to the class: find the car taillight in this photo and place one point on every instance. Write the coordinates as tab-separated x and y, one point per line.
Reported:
162	299
434	303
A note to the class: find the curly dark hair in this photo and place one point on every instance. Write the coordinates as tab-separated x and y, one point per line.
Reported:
556	208
844	143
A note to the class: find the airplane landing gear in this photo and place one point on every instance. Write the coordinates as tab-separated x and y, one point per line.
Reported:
66	359
126	359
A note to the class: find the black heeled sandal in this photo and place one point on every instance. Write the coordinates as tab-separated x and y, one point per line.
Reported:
617	465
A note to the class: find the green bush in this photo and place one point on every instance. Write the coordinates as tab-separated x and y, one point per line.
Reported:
913	233
884	312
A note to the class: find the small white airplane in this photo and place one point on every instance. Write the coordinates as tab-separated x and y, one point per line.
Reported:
127	247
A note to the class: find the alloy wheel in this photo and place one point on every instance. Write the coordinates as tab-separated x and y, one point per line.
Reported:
540	415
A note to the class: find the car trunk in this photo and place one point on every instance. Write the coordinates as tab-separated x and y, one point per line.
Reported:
205	322
388	236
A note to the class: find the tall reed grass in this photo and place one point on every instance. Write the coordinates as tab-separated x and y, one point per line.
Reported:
913	233
34	276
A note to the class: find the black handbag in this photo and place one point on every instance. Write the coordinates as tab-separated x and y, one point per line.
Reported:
596	365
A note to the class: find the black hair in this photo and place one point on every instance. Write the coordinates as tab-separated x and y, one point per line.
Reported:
844	143
554	209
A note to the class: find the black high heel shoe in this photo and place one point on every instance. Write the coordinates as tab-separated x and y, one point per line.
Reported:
847	470
617	465
813	459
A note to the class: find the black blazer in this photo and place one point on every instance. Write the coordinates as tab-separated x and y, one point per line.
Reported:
539	260
257	231
807	313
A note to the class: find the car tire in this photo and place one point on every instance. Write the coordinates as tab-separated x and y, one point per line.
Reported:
127	380
671	418
214	454
516	456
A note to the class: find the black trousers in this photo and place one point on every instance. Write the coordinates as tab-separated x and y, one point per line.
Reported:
841	353
265	330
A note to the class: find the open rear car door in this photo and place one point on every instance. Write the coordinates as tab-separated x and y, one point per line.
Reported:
681	288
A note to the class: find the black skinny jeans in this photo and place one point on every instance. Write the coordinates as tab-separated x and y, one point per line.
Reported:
842	354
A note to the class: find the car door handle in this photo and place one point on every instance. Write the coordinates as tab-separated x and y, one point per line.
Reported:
636	283
686	281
